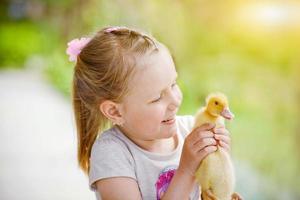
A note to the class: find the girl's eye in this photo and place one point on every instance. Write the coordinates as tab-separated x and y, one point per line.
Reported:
156	100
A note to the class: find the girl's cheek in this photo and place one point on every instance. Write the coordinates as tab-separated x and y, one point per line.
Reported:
155	110
161	110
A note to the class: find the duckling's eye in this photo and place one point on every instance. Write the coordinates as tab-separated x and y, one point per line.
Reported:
216	103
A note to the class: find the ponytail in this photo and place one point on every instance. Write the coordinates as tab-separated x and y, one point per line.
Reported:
89	123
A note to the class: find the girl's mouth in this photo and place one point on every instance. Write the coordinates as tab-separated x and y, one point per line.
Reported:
169	121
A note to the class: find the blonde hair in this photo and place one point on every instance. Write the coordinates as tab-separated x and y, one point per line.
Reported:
102	71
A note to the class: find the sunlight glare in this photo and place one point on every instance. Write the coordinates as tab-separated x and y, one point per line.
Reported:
270	15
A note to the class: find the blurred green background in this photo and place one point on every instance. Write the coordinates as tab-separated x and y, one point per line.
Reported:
250	50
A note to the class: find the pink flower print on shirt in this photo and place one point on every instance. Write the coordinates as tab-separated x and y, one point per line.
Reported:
164	180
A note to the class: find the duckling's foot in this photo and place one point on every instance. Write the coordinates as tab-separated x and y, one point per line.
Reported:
236	196
208	195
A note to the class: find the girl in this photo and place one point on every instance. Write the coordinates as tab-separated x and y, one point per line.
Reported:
125	82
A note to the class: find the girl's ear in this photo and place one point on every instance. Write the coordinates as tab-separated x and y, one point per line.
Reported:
111	110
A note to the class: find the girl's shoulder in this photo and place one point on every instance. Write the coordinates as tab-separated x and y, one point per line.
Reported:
110	148
110	158
109	140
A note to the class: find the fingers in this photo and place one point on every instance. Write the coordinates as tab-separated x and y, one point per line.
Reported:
222	131
223	138
206	127
208	136
205	151
204	142
201	135
202	132
225	146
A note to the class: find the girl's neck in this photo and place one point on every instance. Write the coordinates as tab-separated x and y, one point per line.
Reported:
163	146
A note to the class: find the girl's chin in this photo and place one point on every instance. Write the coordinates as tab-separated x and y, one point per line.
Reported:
169	133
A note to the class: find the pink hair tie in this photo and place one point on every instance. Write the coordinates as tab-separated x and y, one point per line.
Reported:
75	46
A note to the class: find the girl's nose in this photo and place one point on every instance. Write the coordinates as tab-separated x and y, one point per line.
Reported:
175	98
172	107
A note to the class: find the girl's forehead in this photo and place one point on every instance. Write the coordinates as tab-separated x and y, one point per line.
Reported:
162	56
153	73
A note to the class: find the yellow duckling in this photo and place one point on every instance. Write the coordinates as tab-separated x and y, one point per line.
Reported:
216	173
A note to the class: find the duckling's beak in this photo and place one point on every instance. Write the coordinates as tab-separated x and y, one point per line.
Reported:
227	114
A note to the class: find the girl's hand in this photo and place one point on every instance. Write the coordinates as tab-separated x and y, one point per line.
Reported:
197	145
222	137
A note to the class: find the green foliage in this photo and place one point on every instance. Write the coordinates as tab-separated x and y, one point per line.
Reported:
59	71
17	42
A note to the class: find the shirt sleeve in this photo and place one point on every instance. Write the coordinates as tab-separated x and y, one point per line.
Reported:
185	124
110	158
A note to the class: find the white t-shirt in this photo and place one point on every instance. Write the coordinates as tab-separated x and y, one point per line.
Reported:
115	155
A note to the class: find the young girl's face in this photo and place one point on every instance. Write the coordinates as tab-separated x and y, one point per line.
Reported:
154	98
